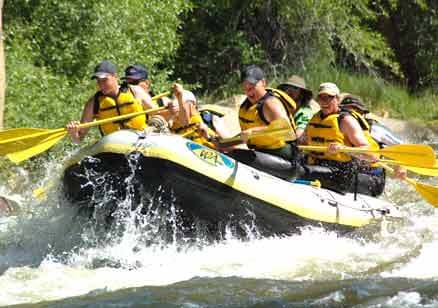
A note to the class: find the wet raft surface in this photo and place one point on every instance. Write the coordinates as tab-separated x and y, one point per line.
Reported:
162	187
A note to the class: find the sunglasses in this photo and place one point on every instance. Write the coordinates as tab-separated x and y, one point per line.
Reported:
134	82
325	98
293	88
350	101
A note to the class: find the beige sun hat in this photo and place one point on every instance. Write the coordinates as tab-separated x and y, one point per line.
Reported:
328	88
295	81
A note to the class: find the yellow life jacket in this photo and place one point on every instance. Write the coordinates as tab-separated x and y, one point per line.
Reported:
323	131
191	131
251	115
107	107
366	127
195	119
195	136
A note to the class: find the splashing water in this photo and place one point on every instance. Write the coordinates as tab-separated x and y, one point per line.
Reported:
47	252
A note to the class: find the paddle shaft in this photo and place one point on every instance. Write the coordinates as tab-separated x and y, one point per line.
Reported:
418	155
428	192
279	127
431	171
127	116
407	180
237	138
321	148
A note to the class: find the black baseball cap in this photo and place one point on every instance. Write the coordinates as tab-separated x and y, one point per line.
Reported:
136	72
252	74
104	69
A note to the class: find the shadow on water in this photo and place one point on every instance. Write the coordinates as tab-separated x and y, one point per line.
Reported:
240	292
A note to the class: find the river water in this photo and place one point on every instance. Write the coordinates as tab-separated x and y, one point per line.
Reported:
51	257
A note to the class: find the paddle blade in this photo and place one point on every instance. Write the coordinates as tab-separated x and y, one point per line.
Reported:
19	141
423	171
418	155
428	192
41	146
19	132
432	171
41	192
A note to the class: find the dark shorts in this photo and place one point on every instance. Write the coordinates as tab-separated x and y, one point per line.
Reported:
347	177
283	163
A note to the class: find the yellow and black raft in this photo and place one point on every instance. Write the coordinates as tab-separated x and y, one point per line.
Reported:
207	188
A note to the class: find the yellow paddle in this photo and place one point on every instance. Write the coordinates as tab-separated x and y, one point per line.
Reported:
418	155
427	191
431	171
19	147
279	127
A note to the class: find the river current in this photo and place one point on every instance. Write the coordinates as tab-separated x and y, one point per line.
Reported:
50	258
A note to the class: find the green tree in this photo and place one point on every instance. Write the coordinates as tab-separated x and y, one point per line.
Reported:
282	35
411	28
53	45
2	68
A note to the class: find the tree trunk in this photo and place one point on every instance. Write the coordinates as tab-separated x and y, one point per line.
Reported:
2	68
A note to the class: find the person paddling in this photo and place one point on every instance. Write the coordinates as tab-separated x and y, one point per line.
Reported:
109	101
296	88
137	75
382	134
372	127
272	154
335	127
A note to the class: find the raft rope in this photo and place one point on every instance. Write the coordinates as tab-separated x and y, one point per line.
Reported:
356	183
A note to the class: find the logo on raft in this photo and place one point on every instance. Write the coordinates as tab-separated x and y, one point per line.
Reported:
210	156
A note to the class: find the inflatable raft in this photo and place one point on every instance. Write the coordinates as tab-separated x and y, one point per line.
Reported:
206	189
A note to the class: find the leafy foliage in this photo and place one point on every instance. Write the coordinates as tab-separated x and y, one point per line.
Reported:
282	35
410	27
53	45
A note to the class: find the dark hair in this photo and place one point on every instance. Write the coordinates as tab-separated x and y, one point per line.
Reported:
304	97
134	82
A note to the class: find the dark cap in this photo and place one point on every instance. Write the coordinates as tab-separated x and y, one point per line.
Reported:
104	69
351	101
136	72
252	74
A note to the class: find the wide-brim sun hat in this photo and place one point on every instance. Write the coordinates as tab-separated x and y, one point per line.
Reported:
351	101
295	81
